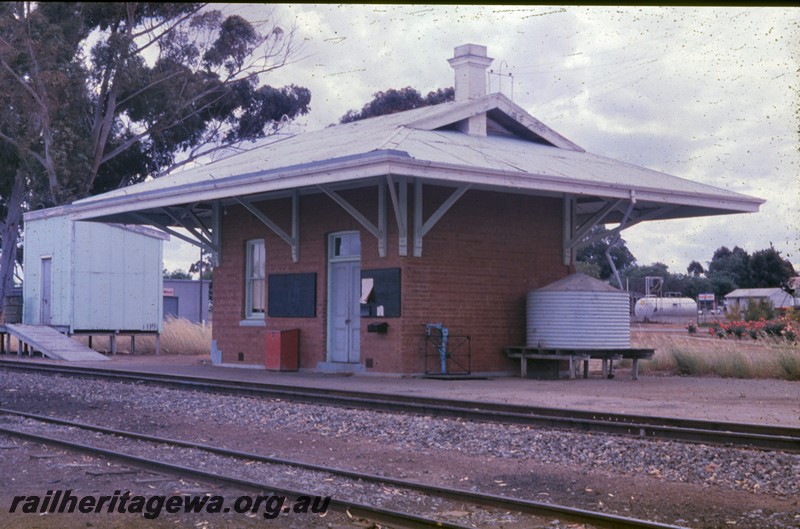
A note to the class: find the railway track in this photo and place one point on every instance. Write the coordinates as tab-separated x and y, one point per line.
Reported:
673	429
394	516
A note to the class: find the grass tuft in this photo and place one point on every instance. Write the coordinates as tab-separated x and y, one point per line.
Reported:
790	365
184	337
180	337
684	354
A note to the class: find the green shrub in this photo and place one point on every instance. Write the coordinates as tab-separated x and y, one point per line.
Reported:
763	309
774	328
737	329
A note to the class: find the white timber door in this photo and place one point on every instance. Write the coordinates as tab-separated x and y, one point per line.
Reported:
344	295
46	293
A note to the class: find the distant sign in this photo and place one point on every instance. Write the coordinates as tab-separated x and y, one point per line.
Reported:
169	291
705	297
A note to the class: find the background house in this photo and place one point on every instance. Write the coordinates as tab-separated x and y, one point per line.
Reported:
780	299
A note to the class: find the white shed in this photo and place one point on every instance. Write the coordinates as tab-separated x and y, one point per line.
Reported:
91	276
779	298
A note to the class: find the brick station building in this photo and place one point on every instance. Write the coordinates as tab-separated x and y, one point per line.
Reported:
447	214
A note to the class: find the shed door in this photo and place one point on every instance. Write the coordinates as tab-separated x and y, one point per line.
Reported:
45	299
344	288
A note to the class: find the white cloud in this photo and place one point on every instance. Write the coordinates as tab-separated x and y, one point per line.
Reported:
705	93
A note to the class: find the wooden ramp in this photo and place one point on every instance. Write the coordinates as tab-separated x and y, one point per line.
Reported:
52	343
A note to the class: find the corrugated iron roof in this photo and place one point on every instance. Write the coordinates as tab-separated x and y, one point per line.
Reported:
423	143
753	292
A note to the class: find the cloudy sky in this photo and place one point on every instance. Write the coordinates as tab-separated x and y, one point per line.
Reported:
708	94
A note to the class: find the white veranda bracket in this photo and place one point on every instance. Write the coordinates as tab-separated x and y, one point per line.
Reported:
615	240
632	221
216	230
574	235
379	231
195	237
399	200
422	228
568	230
188	220
292	240
577	238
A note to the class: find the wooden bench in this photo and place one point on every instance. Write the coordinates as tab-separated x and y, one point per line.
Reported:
524	353
609	355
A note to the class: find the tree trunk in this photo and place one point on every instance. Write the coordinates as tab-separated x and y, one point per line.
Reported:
10	236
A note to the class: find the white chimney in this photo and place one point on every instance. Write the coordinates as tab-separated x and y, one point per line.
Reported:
470	63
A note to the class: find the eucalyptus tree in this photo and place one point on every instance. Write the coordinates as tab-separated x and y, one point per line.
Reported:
102	95
393	100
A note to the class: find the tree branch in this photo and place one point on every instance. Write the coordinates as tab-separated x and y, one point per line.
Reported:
160	124
196	155
21	82
161	35
165	21
47	134
155	83
23	148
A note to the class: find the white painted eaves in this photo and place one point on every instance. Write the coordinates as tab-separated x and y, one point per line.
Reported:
419	143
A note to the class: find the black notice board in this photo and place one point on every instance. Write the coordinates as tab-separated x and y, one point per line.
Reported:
292	296
385	293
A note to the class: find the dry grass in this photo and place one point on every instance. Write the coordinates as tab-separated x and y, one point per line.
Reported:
683	354
180	336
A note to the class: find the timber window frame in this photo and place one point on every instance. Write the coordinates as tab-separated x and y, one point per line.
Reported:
255	282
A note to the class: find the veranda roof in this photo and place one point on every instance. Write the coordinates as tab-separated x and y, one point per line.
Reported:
518	155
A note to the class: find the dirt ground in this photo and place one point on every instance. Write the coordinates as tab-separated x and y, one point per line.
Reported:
761	401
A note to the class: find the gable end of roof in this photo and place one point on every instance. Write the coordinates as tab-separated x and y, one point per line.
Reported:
505	118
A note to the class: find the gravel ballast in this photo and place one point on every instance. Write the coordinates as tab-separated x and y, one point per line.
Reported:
157	410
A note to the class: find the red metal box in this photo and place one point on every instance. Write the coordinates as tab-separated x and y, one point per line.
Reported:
283	350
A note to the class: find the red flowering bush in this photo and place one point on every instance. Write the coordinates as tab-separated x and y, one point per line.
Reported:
781	328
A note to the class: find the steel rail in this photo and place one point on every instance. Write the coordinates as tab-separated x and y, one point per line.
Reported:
355	508
686	430
530	507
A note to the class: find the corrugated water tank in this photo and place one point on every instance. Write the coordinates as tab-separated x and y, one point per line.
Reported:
578	312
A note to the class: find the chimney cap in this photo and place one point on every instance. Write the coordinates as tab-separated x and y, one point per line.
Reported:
467	50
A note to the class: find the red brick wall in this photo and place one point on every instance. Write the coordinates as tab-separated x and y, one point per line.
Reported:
478	263
319	217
